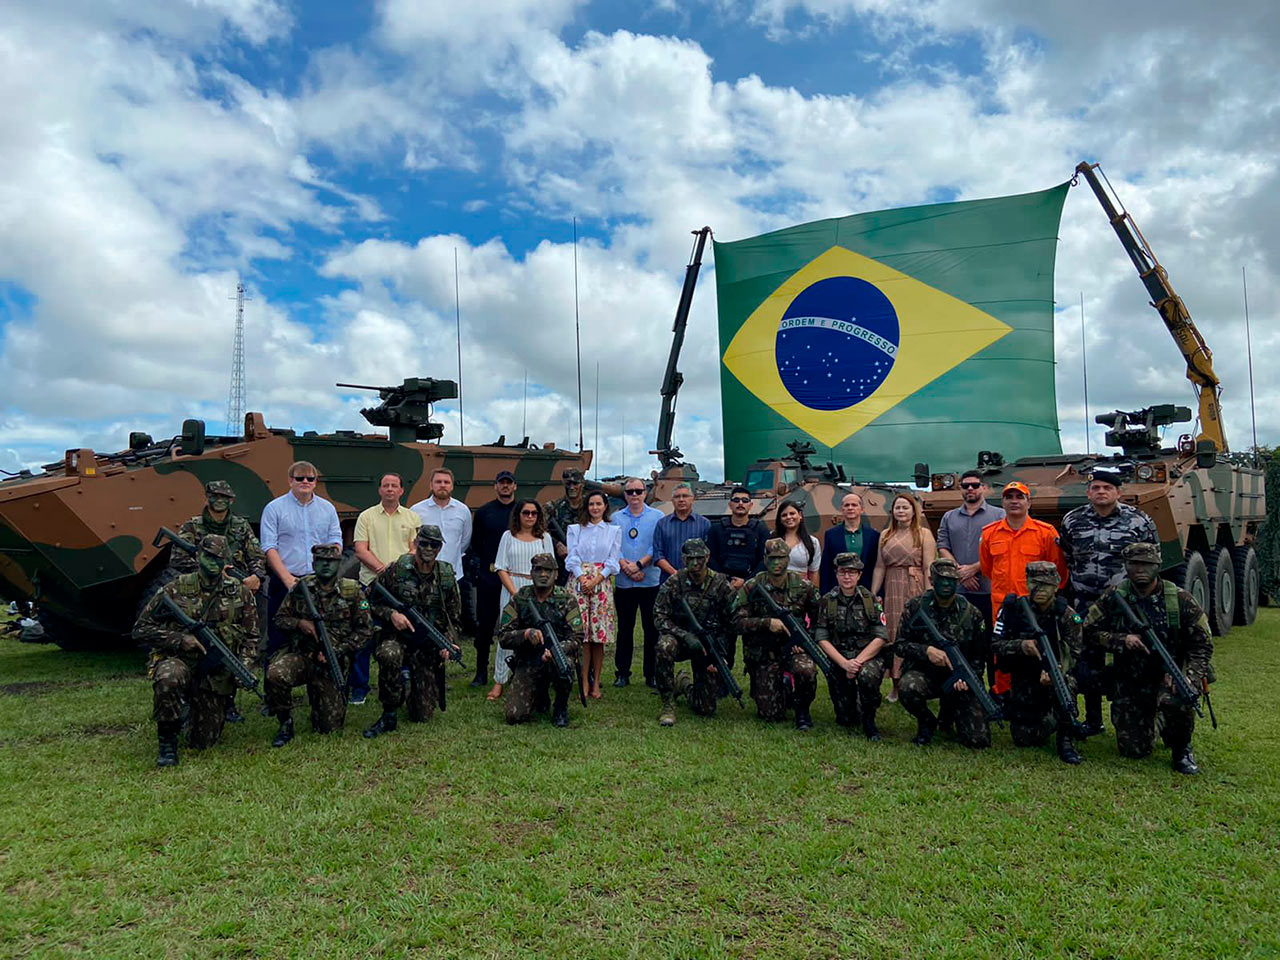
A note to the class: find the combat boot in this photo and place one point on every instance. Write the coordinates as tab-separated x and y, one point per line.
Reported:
384	724
167	734
1067	751
1184	761
284	734
560	710
232	715
870	729
924	730
667	718
803	721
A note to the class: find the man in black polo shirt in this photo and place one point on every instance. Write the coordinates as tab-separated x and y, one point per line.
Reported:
737	547
488	524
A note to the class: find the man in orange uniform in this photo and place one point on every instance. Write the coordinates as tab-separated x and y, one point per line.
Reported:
1007	547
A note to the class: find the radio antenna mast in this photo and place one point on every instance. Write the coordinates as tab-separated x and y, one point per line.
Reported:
235	396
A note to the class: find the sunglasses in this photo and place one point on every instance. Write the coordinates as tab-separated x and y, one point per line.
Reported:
739	499
305	479
634	493
970	486
528	513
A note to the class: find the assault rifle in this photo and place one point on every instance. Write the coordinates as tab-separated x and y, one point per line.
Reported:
799	636
1181	685
423	630
558	659
213	644
961	668
1061	692
186	546
711	647
322	633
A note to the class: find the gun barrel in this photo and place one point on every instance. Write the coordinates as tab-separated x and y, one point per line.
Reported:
360	386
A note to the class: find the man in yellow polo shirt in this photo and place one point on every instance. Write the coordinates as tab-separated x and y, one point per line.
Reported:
383	534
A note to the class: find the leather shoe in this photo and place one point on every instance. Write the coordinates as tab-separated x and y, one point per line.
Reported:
1067	751
621	680
384	724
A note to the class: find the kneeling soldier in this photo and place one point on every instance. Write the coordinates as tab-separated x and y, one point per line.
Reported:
532	670
779	670
710	599
1142	687
419	580
1032	710
927	667
345	615
181	668
851	630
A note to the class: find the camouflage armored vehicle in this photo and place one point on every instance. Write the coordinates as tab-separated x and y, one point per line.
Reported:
77	537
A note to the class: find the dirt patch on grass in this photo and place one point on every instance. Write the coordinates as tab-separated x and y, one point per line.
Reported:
34	688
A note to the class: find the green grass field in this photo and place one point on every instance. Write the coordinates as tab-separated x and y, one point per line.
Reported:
616	838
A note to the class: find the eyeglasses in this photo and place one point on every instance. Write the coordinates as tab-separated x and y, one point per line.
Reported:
739	499
305	479
528	513
634	493
970	486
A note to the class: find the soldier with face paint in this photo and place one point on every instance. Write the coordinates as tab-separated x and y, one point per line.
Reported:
420	580
851	631
181	668
217	518
301	660
779	670
711	599
1032	710
532	672
1142	689
926	667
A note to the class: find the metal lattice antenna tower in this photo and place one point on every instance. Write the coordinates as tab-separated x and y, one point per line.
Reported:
235	397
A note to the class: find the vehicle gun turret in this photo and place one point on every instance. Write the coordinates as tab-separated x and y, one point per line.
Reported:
1137	432
406	410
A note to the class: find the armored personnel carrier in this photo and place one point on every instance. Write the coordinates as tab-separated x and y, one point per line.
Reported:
77	536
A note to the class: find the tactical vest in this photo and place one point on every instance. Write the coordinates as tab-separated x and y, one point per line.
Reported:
1172	609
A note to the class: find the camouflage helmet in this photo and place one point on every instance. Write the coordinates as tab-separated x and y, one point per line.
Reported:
945	567
545	561
848	561
219	488
326	551
572	475
217	545
1142	553
1043	571
429	533
776	547
695	547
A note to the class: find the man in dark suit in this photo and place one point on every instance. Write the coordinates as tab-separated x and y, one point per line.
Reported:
855	535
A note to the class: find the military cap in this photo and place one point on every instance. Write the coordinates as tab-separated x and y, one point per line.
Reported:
776	547
1016	485
695	547
504	475
572	475
1107	475
848	561
429	533
326	551
1142	553
945	567
546	561
219	488
1043	571
216	544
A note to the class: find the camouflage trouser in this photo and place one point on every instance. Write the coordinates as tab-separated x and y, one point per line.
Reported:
174	682
1133	714
528	691
1032	709
424	676
769	685
328	703
858	699
916	689
706	686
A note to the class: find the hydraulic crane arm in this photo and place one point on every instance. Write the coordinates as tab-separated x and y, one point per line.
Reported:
1172	310
668	455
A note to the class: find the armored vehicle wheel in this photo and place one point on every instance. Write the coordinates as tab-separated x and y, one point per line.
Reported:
73	638
1248	584
1222	591
1193	577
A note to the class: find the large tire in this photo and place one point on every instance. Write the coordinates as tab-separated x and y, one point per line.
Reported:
1222	591
1248	584
1193	577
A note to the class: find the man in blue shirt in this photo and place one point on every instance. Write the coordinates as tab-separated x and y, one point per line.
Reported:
637	584
674	529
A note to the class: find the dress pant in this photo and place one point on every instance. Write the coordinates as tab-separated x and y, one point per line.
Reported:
488	597
628	600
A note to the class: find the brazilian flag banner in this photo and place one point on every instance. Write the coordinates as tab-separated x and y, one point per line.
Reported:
917	334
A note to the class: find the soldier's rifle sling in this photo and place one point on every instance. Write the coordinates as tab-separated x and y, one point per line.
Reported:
552	641
322	632
799	636
1186	693
186	546
1061	692
213	643
423	628
712	649
961	668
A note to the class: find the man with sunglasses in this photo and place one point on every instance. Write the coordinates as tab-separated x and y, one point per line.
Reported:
960	536
636	589
488	524
291	525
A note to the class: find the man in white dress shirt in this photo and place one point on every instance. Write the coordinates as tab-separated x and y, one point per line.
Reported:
453	517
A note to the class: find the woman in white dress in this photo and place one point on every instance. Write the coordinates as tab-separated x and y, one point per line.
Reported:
526	539
806	553
595	549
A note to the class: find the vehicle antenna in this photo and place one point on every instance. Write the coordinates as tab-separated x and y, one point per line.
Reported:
595	457
524	423
1248	340
235	396
1084	364
577	328
457	319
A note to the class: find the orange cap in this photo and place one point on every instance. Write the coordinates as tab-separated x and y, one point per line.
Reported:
1016	485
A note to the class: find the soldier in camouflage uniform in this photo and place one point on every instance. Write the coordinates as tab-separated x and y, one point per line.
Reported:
1093	539
563	511
851	631
421	581
926	668
711	599
301	659
532	671
1142	688
181	668
1031	708
778	669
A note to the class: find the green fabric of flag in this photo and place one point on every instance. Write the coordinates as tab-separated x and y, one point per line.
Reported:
917	334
